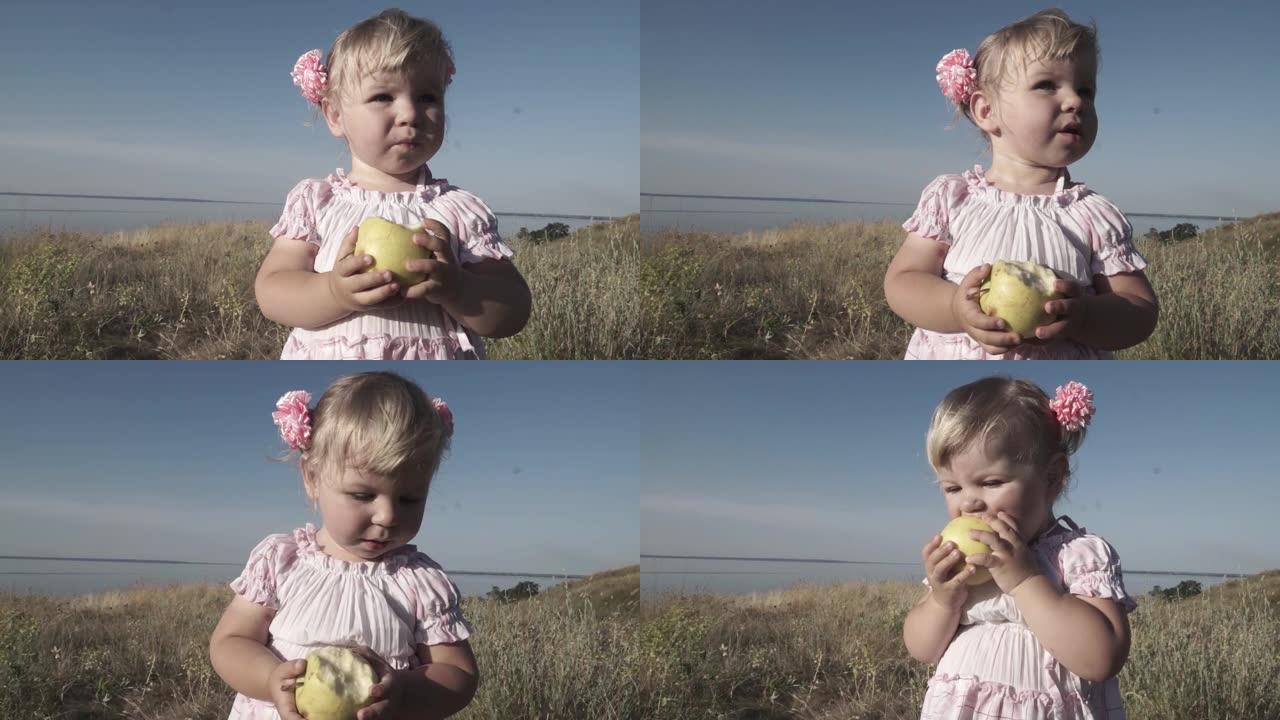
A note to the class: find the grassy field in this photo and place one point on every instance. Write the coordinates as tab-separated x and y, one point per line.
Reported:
605	292
143	653
836	653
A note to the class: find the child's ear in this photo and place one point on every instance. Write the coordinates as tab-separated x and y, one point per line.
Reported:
983	113
333	118
1057	475
308	479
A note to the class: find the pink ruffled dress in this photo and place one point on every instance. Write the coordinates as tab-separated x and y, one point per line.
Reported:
1073	230
392	605
996	669
322	212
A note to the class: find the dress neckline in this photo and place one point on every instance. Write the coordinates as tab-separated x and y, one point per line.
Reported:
389	563
428	187
1062	195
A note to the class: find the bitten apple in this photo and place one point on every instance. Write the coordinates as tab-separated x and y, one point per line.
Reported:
957	531
1016	292
335	686
390	244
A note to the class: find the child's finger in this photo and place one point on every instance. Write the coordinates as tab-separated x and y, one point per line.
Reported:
934	543
1051	331
377	295
348	245
353	265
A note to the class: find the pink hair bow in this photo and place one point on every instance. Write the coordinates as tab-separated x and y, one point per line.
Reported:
1073	406
293	417
310	75
956	76
446	415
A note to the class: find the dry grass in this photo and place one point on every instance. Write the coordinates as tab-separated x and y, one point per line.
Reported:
836	652
804	291
143	653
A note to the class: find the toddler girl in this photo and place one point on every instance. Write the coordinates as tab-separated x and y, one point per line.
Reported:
1048	635
1030	90
382	89
368	450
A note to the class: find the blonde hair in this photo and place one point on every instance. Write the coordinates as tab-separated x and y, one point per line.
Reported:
378	422
1015	414
389	42
1048	35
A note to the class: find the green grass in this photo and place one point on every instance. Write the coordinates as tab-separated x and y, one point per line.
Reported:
836	652
143	653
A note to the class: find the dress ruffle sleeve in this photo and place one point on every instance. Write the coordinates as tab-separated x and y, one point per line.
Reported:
298	221
1091	568
1110	236
477	226
258	581
933	213
437	603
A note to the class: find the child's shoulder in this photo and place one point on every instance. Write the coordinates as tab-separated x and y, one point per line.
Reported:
1073	545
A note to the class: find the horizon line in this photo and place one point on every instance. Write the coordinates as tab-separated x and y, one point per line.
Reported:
156	198
574	576
881	562
874	202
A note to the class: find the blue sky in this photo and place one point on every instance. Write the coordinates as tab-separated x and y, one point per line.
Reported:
173	461
838	100
195	100
826	460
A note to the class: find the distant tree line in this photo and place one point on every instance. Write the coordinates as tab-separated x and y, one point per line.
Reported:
1177	233
553	231
520	591
1184	590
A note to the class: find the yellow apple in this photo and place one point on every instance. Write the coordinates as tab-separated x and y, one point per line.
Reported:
390	245
1016	292
335	686
957	531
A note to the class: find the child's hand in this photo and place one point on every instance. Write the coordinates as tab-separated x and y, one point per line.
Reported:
947	586
388	694
443	281
1068	309
991	332
282	683
352	288
1010	560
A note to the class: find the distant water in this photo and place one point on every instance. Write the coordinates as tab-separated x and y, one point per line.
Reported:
92	215
737	216
45	577
739	577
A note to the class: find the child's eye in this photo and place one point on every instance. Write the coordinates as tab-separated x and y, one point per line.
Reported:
951	489
429	97
362	497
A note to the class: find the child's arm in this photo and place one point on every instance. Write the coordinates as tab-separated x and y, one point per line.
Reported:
1122	314
1089	636
290	292
929	628
239	653
443	685
916	290
493	299
932	623
489	296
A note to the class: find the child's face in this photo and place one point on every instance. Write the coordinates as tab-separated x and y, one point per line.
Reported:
1043	101
360	507
981	480
393	122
